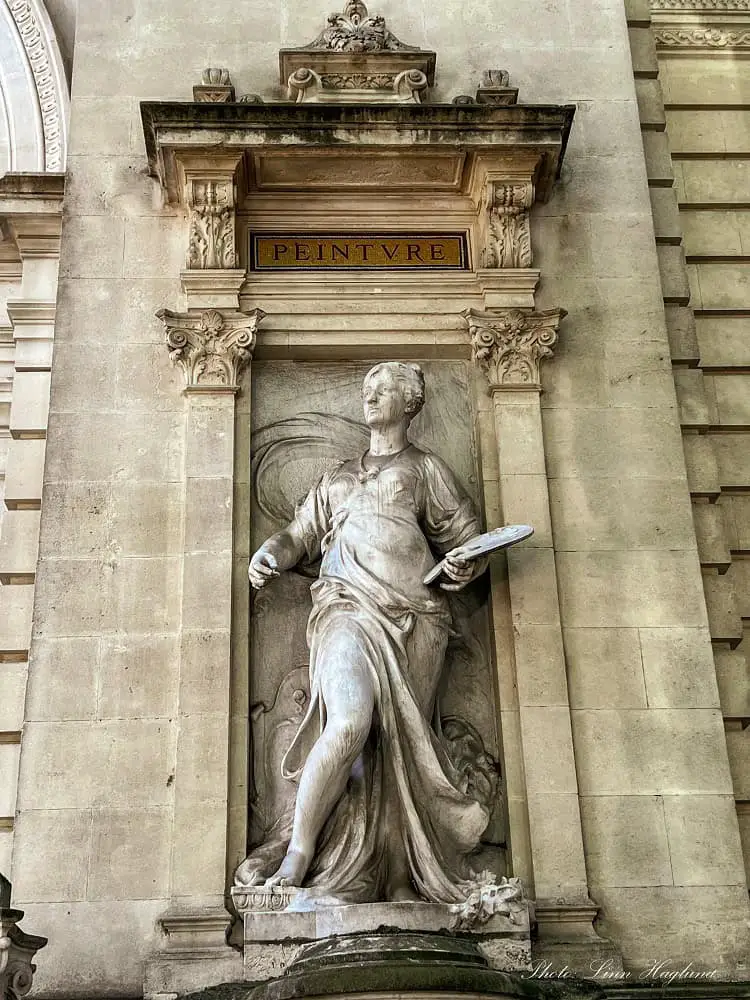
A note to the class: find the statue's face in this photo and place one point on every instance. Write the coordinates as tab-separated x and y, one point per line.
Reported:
383	399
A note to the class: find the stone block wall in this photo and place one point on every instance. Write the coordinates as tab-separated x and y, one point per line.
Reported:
702	51
103	846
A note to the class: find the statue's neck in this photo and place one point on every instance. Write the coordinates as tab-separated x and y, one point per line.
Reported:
388	440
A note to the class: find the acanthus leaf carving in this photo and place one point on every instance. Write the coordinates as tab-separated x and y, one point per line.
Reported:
212	348
509	345
509	231
215	87
212	220
356	31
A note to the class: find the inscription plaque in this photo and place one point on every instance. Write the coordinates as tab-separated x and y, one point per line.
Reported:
348	252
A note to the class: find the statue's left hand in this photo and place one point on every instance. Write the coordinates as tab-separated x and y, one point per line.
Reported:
263	568
459	571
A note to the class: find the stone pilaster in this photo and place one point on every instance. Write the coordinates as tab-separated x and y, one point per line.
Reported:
509	346
213	349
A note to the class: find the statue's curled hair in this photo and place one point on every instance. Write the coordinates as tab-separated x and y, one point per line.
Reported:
411	379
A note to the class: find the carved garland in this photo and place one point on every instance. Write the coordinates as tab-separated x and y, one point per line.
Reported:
35	44
211	349
509	345
713	38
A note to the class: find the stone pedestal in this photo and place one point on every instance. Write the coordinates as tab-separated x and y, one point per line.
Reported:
386	964
276	940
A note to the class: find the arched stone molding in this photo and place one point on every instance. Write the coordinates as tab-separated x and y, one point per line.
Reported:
33	91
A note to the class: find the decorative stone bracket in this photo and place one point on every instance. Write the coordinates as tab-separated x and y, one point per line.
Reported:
212	242
17	950
211	348
209	186
508	241
510	344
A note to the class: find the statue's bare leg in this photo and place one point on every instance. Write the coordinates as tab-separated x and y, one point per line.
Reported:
347	691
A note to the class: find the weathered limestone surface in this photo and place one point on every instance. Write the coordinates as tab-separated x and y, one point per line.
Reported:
709	133
119	750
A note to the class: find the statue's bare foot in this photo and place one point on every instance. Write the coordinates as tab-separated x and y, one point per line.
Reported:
291	872
248	876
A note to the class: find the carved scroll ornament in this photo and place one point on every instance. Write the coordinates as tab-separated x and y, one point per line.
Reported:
211	225
17	950
509	345
212	349
509	237
701	38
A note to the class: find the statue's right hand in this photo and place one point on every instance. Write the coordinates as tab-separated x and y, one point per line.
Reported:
263	568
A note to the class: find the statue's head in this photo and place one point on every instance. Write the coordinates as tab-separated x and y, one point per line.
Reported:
392	391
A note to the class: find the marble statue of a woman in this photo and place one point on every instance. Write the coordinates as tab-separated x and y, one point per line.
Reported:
379	814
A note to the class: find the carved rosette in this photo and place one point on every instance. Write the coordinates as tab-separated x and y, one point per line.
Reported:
509	345
211	348
509	230
211	206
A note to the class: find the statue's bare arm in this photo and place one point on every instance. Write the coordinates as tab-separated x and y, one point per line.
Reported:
276	555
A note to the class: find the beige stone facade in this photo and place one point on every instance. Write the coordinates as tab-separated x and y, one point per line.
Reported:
129	653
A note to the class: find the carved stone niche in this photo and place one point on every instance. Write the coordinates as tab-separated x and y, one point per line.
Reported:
356	60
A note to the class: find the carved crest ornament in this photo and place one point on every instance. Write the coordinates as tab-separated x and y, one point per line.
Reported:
356	31
357	58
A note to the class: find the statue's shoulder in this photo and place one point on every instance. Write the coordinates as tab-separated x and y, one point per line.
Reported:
429	460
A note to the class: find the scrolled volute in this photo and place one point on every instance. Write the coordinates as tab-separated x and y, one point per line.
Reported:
509	345
211	347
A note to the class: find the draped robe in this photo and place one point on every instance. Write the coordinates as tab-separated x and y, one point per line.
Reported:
378	533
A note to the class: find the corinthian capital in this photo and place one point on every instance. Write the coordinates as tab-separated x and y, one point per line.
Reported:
509	344
211	348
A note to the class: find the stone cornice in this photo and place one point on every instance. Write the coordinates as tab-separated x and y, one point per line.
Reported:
211	347
173	129
509	345
31	312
